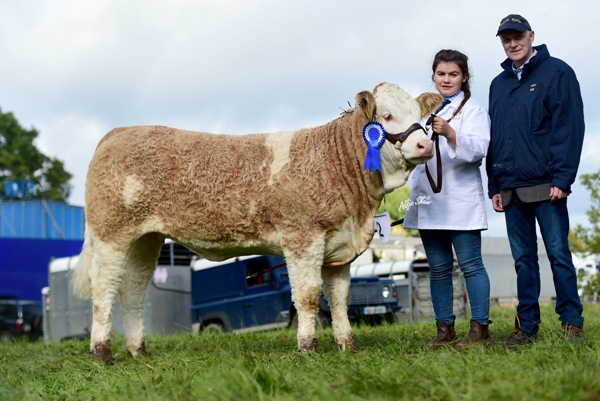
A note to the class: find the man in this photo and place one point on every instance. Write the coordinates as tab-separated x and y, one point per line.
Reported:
536	139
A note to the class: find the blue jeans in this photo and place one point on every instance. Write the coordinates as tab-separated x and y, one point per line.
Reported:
553	219
467	245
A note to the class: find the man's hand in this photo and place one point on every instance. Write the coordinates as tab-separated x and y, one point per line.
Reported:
556	194
497	203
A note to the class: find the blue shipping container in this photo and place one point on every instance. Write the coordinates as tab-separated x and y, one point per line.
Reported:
41	219
24	264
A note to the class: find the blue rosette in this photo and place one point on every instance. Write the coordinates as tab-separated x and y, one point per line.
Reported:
374	136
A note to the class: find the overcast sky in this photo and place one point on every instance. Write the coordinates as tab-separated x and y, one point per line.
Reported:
73	70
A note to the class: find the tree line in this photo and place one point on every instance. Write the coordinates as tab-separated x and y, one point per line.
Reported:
21	161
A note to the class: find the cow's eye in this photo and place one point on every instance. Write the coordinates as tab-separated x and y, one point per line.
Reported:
388	117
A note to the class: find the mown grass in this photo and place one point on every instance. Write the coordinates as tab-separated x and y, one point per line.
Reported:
392	363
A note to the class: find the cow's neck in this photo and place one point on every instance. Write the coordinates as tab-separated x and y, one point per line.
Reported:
348	150
372	182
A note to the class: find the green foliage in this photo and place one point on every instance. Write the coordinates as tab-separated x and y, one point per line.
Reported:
576	243
392	363
21	160
590	236
395	203
590	283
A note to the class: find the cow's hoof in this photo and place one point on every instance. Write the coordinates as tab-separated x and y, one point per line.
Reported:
138	351
308	345
102	352
347	345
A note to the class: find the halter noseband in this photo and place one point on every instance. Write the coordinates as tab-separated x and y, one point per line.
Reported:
401	137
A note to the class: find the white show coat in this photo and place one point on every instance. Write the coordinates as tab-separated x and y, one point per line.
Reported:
461	203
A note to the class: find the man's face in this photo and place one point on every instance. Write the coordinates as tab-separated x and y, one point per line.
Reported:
518	46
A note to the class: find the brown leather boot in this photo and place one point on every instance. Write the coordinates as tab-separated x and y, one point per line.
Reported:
478	334
445	336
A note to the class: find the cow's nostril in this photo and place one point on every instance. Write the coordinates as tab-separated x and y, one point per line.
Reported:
425	148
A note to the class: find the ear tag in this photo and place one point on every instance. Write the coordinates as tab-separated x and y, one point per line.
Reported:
374	136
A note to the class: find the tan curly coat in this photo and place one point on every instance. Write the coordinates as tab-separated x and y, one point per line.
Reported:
301	194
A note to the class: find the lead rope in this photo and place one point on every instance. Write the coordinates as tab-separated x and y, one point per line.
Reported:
437	187
263	271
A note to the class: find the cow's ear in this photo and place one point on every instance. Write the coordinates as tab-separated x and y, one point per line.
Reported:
366	101
429	101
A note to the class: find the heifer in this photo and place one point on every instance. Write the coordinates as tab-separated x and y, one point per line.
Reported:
303	195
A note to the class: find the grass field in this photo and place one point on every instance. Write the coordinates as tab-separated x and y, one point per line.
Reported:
392	363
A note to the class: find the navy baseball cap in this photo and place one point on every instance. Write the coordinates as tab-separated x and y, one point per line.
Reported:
514	22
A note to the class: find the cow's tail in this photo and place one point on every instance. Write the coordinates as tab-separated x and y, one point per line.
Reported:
82	286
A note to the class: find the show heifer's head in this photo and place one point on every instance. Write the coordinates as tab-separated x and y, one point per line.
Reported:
396	110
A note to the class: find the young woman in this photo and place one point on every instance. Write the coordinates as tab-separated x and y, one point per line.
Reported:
447	206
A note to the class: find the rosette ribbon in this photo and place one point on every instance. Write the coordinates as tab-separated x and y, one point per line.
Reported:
374	136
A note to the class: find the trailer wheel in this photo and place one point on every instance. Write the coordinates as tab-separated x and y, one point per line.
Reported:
213	327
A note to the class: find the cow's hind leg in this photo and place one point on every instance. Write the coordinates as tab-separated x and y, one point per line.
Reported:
141	262
106	272
306	282
336	286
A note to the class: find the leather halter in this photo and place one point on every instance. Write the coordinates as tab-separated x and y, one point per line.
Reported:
401	137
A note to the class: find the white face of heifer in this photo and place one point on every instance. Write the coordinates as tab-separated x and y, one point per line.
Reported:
396	111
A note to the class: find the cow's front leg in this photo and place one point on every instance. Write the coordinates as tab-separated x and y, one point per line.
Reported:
336	286
306	283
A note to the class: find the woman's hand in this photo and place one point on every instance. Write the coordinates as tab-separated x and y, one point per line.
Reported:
441	127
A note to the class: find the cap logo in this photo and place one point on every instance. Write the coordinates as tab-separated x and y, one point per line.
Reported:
518	21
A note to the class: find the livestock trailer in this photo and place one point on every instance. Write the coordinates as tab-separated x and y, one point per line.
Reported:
411	283
500	266
166	306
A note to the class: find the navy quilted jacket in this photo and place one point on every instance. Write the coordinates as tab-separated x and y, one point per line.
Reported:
537	125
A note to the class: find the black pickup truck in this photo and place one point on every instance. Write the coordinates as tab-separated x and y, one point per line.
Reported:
20	319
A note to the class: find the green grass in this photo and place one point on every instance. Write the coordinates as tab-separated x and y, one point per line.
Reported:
392	363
